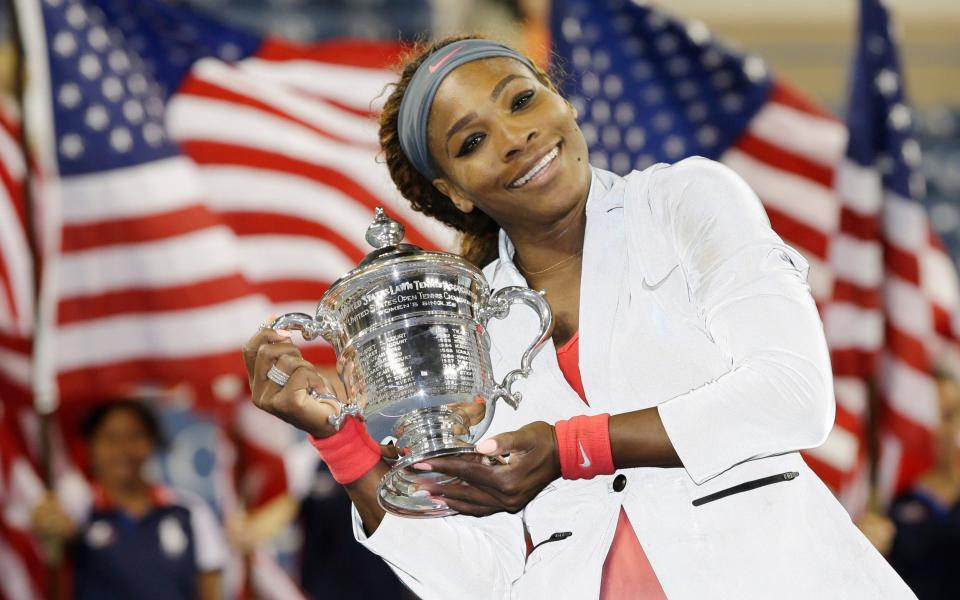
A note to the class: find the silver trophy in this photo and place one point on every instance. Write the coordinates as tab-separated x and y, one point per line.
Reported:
409	330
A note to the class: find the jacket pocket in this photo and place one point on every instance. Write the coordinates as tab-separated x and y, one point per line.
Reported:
537	551
746	486
556	537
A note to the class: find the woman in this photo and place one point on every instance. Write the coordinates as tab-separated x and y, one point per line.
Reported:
678	311
134	539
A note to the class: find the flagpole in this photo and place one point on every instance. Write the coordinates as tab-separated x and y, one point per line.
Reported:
53	549
872	439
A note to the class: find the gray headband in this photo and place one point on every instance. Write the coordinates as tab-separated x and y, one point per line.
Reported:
418	98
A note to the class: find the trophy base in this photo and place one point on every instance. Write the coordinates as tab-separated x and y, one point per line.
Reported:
397	488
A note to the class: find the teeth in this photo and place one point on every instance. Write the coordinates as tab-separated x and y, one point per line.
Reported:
541	165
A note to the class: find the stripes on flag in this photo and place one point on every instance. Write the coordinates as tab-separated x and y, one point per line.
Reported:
21	562
208	179
21	565
16	264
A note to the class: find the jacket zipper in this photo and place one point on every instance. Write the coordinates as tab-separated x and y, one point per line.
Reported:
746	486
556	537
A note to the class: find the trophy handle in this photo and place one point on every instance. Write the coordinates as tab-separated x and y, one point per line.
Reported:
308	327
498	305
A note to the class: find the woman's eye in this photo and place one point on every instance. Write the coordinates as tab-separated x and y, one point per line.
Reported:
470	144
522	100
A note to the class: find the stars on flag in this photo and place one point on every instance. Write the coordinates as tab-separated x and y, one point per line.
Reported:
113	108
645	86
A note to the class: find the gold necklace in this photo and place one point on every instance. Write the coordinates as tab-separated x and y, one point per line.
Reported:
551	267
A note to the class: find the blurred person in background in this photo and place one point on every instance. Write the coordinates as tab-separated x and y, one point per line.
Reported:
131	538
926	547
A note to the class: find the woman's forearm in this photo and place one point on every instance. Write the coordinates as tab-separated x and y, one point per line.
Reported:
363	493
638	439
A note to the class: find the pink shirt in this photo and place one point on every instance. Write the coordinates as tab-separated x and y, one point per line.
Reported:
626	571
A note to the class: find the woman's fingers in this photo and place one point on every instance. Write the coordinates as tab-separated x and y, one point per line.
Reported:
294	403
467	508
469	467
262	337
470	494
267	357
500	487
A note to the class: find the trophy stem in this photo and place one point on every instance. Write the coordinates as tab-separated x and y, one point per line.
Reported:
424	432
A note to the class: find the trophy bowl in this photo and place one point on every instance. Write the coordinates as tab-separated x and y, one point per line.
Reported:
408	327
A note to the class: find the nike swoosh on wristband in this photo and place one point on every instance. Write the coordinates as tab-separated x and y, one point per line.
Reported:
586	459
433	68
652	287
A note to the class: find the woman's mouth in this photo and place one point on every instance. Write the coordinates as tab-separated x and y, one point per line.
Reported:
537	169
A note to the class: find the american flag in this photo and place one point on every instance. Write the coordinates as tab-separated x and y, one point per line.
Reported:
191	180
651	88
20	554
197	179
16	261
907	282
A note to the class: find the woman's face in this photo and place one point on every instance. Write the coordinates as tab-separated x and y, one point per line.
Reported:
119	448
508	145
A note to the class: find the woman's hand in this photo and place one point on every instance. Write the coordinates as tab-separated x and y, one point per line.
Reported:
51	521
291	402
491	488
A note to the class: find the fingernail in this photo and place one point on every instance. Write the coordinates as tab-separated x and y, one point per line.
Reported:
423	466
284	333
420	494
438	501
486	447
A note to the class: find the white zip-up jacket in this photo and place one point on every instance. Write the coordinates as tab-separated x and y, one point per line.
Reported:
690	303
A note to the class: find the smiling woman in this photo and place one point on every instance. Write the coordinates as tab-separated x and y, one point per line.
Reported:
518	84
656	451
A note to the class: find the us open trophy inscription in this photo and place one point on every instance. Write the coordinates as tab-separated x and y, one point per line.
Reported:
409	330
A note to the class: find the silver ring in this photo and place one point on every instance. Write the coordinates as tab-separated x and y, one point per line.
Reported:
277	376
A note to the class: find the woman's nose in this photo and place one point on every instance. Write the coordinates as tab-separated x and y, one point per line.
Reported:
517	140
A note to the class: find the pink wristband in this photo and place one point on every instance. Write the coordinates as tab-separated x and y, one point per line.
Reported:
584	446
349	453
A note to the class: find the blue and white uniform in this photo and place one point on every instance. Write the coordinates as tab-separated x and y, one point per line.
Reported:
158	555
